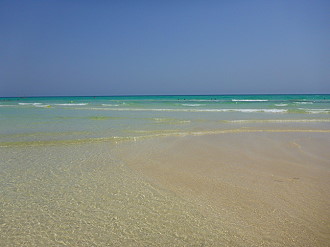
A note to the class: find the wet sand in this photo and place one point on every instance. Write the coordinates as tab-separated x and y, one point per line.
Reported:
231	189
269	189
82	195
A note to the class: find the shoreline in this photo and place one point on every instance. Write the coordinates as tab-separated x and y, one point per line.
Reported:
170	124
268	188
158	134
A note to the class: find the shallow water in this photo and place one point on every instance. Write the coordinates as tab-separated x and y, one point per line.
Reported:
75	171
82	196
271	188
86	118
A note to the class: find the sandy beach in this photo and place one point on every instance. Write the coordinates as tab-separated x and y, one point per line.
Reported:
164	123
271	189
165	171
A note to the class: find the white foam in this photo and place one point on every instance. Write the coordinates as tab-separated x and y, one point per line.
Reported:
169	120
317	111
109	105
261	110
303	103
42	105
281	104
191	104
30	103
279	121
34	104
204	100
72	104
192	110
249	100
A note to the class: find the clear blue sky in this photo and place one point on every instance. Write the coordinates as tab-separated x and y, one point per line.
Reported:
66	47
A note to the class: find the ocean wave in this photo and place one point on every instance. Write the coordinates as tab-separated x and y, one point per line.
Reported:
72	104
30	103
163	119
191	104
281	104
249	100
298	110
303	103
190	110
259	110
45	106
162	133
204	100
318	111
170	121
313	111
277	121
35	105
110	105
155	134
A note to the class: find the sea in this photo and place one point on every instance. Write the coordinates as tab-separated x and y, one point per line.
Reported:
64	180
47	120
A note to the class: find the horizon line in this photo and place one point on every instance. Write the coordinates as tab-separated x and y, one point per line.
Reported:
138	95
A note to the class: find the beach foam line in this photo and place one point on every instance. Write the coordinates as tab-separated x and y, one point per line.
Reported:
259	131
170	121
30	103
110	105
171	100
46	106
189	110
205	100
303	102
71	104
276	121
191	104
154	134
318	112
258	110
314	111
34	104
281	104
249	100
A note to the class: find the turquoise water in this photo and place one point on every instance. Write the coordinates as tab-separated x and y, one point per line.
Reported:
54	192
48	119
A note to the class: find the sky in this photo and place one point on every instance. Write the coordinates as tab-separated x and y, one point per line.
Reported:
77	48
